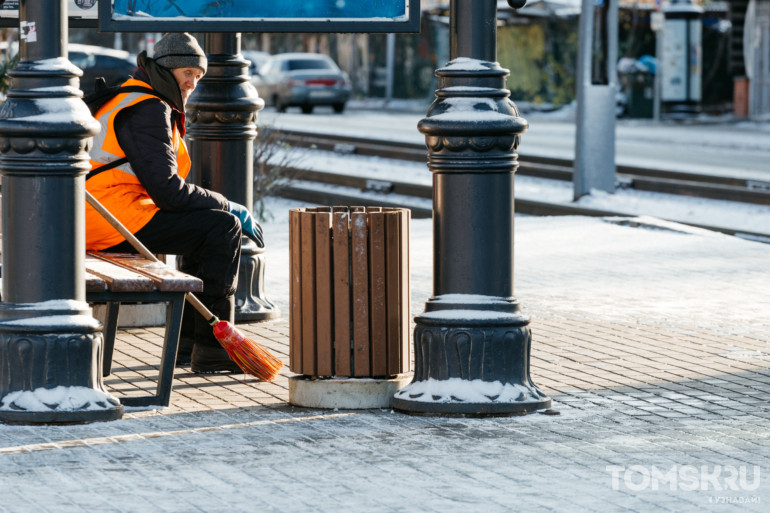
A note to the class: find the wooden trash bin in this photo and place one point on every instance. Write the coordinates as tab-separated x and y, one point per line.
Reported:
349	293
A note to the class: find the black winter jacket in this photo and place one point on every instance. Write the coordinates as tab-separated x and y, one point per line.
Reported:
144	132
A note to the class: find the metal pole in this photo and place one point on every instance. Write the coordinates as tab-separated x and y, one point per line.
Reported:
472	332
594	167
390	58
658	69
223	113
48	337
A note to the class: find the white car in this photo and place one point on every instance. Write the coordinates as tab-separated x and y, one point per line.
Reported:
115	66
256	59
303	80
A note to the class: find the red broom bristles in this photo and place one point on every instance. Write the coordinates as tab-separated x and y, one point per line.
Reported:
250	356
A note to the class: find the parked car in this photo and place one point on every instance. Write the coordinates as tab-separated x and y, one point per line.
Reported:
303	80
256	59
95	61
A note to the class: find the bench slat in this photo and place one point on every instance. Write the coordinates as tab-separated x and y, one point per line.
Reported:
95	283
166	279
118	279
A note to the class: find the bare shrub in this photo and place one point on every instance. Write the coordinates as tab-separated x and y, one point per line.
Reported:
274	160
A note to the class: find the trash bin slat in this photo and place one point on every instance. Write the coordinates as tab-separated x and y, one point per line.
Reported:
360	289
397	323
323	273
295	289
342	318
405	351
307	268
378	311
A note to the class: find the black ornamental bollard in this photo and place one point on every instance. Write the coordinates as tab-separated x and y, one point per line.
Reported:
472	343
222	113
50	344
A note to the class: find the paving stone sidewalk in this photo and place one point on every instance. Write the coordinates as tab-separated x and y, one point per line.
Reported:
653	415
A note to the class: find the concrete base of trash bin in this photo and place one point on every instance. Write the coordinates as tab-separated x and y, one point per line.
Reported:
345	393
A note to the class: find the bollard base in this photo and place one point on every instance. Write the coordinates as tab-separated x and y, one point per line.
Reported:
413	401
52	365
109	413
471	362
344	393
244	314
251	303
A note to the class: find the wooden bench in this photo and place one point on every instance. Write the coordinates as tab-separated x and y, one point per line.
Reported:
116	278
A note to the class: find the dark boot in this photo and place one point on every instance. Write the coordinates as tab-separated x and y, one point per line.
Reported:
208	355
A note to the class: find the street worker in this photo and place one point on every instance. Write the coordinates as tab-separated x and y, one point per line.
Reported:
139	162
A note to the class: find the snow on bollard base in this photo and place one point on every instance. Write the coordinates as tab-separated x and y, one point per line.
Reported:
471	362
52	372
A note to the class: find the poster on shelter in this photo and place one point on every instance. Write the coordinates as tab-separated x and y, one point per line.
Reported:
87	9
306	9
674	61
681	61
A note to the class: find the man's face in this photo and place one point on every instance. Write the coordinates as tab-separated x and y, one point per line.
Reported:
187	78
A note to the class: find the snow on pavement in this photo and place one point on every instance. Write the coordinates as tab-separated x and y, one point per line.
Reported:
638	270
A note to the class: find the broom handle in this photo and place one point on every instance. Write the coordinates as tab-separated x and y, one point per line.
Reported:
146	253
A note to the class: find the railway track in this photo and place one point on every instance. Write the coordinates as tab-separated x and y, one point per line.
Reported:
630	177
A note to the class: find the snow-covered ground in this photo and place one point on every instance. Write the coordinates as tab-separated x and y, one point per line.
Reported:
636	270
656	412
593	255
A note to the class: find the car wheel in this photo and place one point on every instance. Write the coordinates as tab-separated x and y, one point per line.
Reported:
279	106
307	109
338	107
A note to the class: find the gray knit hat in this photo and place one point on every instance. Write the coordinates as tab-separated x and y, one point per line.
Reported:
179	50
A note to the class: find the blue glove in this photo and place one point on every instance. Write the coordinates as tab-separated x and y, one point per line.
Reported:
249	226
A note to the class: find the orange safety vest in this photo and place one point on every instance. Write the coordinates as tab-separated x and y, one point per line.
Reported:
118	189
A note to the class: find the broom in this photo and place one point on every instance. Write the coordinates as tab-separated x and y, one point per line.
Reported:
250	356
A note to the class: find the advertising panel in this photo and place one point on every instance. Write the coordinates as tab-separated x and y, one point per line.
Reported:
308	16
255	16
